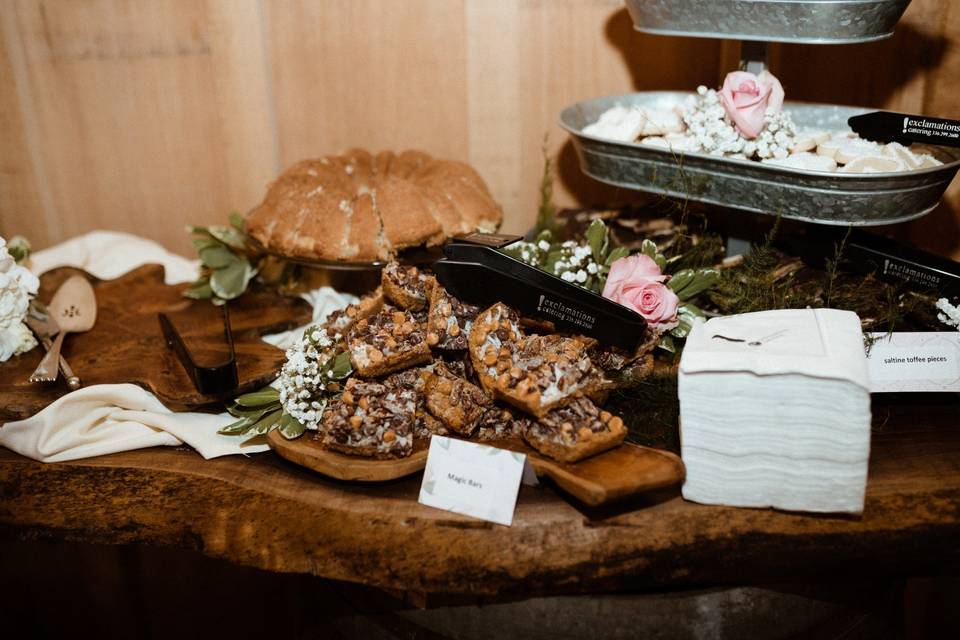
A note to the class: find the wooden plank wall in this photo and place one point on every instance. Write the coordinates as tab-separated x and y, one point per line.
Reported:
143	115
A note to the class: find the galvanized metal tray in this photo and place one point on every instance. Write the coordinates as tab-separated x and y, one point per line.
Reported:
813	196
810	21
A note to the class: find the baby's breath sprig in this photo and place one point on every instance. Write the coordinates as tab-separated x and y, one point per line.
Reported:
312	375
584	263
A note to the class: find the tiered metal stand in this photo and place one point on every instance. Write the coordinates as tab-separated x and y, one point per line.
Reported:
813	196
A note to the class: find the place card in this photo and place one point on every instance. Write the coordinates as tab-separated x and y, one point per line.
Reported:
915	362
472	479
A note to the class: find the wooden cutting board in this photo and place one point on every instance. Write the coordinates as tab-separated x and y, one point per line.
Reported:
610	476
126	344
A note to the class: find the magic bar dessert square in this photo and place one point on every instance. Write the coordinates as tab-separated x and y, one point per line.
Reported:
498	423
449	320
546	372
575	431
457	403
493	339
386	342
406	287
371	418
342	320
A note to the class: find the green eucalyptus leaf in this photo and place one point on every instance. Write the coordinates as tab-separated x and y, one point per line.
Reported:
228	236
648	248
267	422
684	324
237	428
194	230
680	280
237	220
290	427
667	344
204	242
661	261
596	238
199	290
218	256
546	235
616	254
267	395
691	310
341	367
232	280
253	414
703	279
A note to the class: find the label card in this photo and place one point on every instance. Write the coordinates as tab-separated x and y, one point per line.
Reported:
915	362
472	479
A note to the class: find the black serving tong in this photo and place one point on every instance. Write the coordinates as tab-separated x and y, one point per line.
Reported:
476	271
217	379
887	126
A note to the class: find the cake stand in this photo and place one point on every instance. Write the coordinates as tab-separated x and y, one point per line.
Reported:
813	196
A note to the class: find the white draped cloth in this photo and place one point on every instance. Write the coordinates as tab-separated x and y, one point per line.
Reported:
108	418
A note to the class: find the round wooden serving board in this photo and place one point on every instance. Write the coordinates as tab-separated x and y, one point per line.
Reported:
612	475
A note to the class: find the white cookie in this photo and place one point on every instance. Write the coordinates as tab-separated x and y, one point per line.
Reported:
857	148
830	146
619	123
874	164
804	160
808	139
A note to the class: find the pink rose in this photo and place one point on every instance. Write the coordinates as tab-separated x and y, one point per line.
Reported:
746	98
636	282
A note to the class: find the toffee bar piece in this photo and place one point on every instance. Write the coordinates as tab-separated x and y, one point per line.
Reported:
498	423
406	287
374	419
386	342
493	340
424	424
546	372
457	403
575	431
449	321
342	320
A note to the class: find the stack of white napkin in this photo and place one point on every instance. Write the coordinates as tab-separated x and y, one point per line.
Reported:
775	411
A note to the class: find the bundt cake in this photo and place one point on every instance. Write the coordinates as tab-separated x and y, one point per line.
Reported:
357	207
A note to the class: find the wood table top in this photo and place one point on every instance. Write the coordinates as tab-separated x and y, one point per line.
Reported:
269	513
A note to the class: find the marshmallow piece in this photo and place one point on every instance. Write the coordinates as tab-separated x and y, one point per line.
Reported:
619	123
874	164
804	160
775	411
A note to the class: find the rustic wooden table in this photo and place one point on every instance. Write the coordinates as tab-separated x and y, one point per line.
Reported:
265	512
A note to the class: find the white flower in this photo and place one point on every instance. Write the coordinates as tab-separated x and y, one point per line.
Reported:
592	268
544	245
567	275
15	340
950	315
581	276
17	286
